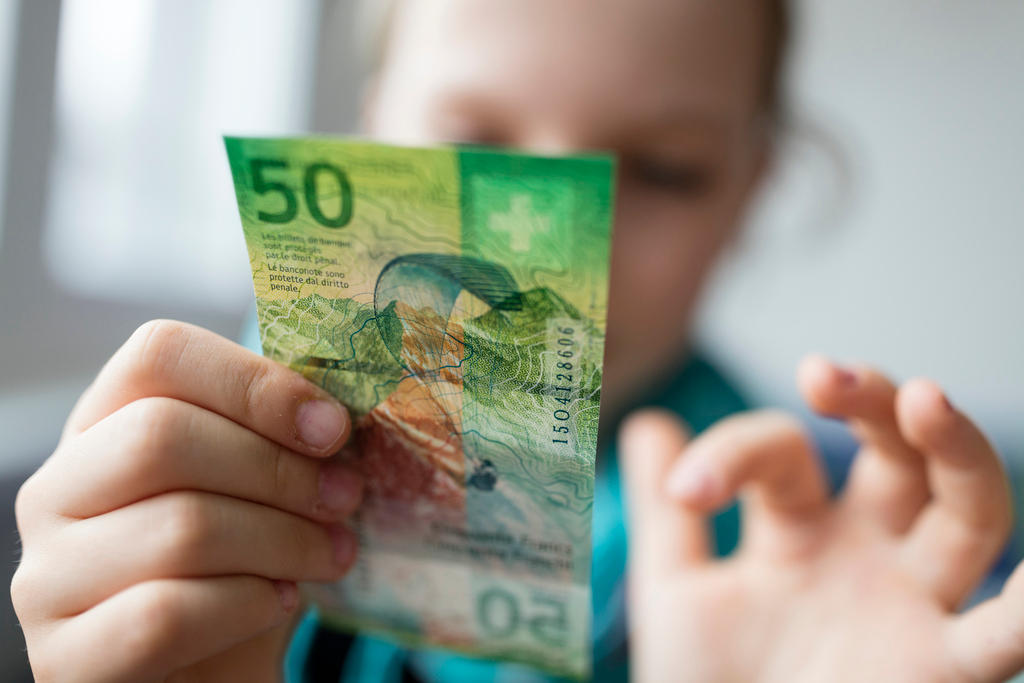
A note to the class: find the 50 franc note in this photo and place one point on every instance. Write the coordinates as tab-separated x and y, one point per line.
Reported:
455	300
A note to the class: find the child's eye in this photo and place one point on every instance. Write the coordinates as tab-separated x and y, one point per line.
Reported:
686	178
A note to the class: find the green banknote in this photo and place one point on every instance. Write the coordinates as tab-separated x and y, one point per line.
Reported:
455	300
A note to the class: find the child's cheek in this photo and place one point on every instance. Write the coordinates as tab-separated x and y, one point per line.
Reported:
663	250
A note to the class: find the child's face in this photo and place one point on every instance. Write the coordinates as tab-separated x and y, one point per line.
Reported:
671	86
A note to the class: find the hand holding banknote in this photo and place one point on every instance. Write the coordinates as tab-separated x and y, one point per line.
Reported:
865	588
187	496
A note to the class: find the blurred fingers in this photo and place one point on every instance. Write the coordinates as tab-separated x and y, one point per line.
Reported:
766	453
188	363
152	629
961	532
887	482
663	534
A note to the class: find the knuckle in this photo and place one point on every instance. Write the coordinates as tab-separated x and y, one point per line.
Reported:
34	501
156	347
151	428
254	380
24	501
23	588
188	527
156	619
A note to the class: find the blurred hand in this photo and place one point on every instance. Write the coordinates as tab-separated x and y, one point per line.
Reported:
863	588
163	538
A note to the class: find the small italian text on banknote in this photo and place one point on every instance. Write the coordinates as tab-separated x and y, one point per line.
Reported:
455	300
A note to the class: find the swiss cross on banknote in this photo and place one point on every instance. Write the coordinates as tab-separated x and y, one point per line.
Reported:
455	300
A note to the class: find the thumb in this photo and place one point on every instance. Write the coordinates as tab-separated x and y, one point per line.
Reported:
663	534
988	641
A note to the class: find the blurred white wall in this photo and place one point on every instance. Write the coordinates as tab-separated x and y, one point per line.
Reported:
139	179
117	205
920	271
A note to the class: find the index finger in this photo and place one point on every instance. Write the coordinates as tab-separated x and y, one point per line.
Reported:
664	535
185	362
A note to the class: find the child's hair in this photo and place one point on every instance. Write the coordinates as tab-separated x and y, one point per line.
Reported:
374	19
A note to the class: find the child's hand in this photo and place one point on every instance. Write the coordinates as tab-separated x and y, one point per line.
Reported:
863	588
164	536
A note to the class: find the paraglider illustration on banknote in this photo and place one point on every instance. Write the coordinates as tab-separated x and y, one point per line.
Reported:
455	300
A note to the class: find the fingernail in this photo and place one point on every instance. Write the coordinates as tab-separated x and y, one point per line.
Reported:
344	546
289	594
320	423
340	488
846	377
691	482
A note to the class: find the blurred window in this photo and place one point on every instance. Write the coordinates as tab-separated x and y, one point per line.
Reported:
140	189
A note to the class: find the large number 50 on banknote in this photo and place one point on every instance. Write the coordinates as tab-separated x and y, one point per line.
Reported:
455	300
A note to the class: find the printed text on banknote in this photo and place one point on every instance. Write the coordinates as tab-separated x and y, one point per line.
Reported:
455	300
